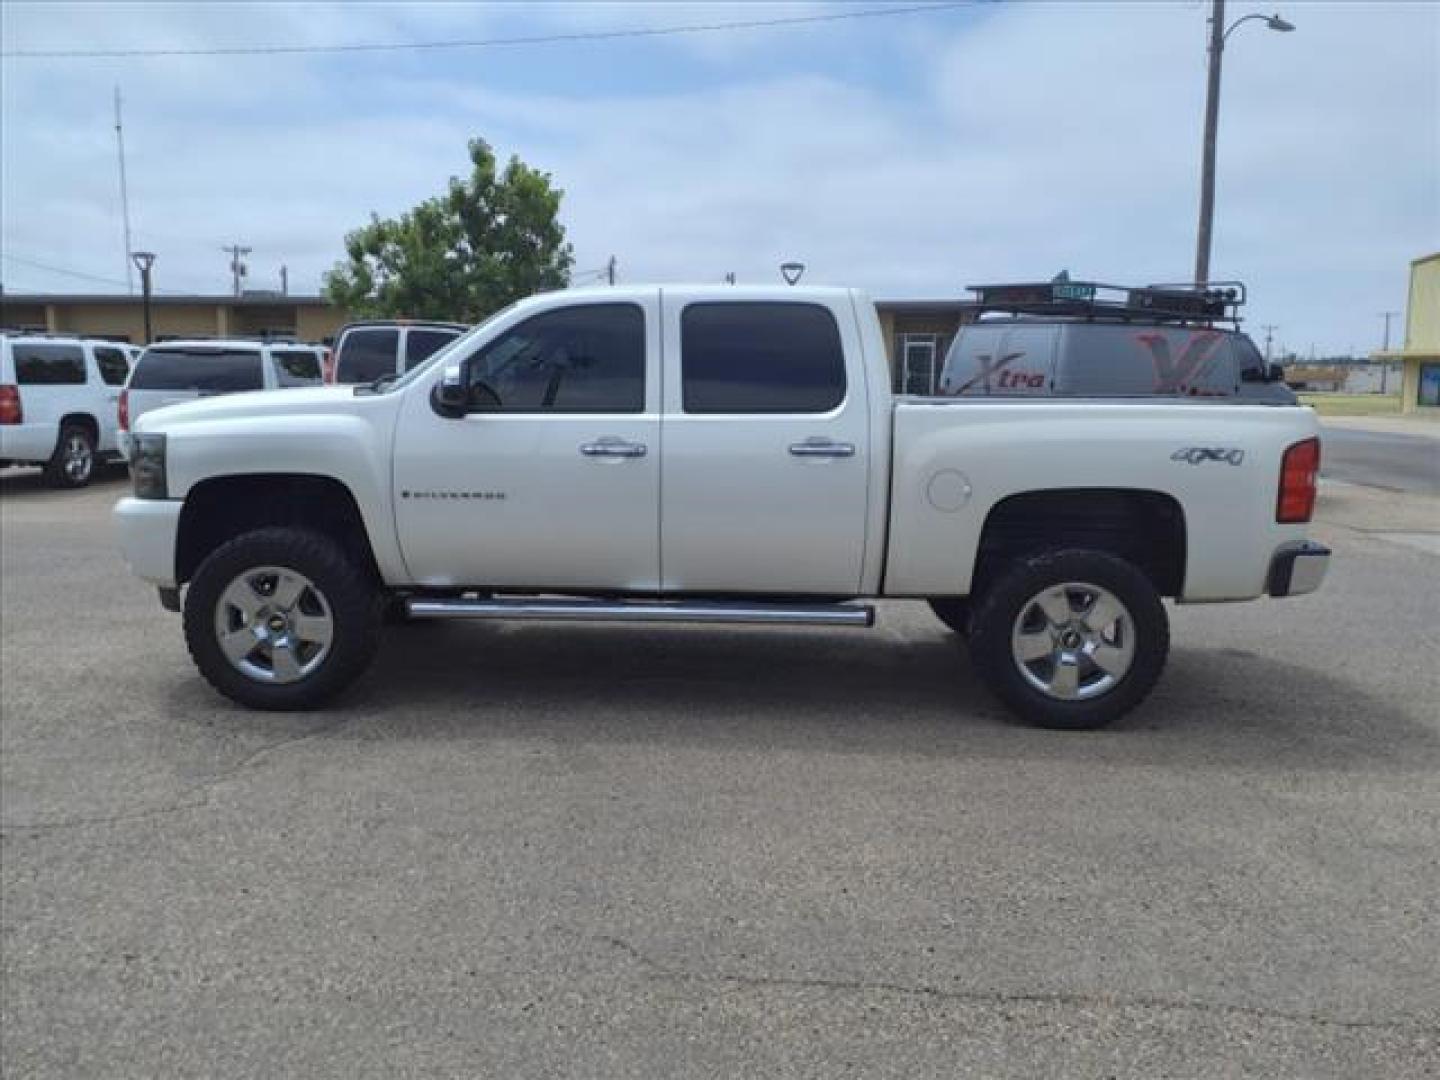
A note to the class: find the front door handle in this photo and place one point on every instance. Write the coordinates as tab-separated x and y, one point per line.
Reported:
613	448
821	447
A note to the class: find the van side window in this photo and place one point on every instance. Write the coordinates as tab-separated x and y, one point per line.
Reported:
49	365
762	357
580	359
112	364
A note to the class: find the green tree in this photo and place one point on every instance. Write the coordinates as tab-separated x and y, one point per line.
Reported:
486	242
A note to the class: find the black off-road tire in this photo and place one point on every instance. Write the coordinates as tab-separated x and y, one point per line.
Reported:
1001	603
59	470
354	598
954	612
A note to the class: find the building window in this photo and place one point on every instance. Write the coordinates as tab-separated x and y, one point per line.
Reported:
1429	386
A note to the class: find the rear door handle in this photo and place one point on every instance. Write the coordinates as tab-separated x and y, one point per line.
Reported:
820	447
613	448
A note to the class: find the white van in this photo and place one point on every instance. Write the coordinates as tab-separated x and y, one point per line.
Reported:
179	371
58	397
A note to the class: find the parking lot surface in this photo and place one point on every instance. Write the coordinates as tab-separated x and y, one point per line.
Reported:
526	851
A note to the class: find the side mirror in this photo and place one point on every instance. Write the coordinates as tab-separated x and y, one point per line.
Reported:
450	396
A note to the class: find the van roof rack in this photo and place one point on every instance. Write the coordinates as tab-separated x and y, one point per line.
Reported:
1217	301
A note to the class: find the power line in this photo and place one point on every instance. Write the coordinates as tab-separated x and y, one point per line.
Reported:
78	274
542	39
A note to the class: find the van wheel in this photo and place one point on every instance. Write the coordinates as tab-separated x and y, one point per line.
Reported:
73	463
281	618
1070	639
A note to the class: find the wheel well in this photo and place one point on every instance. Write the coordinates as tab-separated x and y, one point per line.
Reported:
1146	528
219	510
85	420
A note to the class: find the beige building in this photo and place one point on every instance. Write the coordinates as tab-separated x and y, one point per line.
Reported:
1420	384
122	318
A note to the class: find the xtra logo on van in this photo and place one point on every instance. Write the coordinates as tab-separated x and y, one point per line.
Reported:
991	368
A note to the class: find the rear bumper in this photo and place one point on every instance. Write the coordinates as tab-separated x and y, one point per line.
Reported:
1298	570
146	529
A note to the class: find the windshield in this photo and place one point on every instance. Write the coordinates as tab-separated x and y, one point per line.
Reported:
438	357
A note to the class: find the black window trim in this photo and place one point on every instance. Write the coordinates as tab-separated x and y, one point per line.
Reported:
559	308
833	410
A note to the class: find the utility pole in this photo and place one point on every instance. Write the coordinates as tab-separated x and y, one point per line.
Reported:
124	195
610	270
1385	360
1212	121
1269	329
238	268
145	260
284	280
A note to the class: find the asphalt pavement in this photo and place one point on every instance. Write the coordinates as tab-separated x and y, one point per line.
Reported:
569	851
1381	459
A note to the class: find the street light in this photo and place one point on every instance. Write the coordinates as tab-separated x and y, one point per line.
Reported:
144	260
1218	36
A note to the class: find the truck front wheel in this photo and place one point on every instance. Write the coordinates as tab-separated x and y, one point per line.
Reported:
281	618
1070	639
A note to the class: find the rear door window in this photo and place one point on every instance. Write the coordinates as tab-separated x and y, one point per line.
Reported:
296	367
112	364
365	355
207	370
49	365
420	345
760	358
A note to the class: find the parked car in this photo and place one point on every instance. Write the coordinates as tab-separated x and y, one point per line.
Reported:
366	351
559	463
57	403
1081	339
180	371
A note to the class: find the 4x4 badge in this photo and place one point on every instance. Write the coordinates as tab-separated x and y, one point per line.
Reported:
1196	455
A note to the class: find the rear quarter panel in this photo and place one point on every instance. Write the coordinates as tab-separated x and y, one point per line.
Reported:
955	460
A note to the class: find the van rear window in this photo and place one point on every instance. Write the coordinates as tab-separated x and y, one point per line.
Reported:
214	370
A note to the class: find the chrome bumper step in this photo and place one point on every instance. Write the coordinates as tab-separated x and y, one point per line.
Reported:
641	611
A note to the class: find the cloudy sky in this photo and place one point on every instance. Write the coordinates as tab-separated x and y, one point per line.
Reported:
911	154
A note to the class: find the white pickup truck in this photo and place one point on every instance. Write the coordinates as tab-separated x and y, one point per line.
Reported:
710	454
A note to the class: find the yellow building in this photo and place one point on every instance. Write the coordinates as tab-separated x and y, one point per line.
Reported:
1420	385
122	318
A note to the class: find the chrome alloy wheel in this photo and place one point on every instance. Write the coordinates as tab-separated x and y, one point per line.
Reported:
76	458
1073	641
274	625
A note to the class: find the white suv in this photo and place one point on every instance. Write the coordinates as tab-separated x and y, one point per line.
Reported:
178	371
58	398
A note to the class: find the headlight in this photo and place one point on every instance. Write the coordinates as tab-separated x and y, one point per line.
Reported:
147	466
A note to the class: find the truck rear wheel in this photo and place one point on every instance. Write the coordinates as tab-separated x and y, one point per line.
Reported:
1070	639
281	618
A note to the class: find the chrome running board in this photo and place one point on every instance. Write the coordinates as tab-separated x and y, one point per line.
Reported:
647	611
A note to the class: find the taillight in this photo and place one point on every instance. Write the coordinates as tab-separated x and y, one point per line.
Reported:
10	410
1299	471
124	410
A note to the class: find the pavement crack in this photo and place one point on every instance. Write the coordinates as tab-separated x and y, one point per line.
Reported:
193	797
668	973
